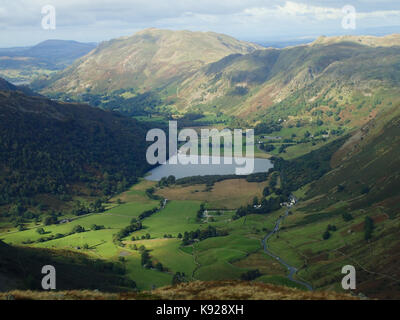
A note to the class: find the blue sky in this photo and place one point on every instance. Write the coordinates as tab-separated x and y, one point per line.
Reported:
254	20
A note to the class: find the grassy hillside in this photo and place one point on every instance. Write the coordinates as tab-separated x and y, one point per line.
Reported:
20	268
337	81
150	59
54	152
331	85
358	199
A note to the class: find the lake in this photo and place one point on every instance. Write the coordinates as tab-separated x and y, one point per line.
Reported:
180	170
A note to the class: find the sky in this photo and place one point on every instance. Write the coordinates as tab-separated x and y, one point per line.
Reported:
22	22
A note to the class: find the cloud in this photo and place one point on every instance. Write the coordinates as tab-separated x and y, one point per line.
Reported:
298	9
88	20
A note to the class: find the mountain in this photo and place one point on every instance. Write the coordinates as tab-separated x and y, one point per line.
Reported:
333	79
350	215
339	81
150	59
65	149
23	64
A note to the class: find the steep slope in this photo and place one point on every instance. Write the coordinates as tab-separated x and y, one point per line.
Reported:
147	60
333	79
48	147
198	290
351	215
338	80
7	86
20	268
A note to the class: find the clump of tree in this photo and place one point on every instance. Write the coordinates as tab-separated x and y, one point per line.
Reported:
347	216
199	235
40	231
167	181
210	180
200	212
368	228
267	147
147	213
151	195
145	258
266	206
117	238
78	229
95	227
267	128
250	275
327	234
178	277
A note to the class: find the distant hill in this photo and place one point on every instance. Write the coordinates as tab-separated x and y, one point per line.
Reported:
7	86
149	59
21	65
52	148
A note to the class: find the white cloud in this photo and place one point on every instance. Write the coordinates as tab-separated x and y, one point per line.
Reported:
298	9
88	20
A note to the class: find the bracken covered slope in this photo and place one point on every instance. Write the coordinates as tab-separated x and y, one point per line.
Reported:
147	60
198	290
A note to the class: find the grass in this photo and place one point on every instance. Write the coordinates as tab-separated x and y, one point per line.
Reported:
176	217
168	252
227	194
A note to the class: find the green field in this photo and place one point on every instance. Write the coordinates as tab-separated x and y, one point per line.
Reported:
210	259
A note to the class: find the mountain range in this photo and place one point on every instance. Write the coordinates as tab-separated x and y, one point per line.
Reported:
333	79
333	102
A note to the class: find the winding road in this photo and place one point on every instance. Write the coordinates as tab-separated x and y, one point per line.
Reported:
292	270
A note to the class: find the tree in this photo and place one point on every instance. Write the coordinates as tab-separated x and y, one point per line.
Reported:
331	228
40	231
178	277
368	228
326	235
255	201
78	229
159	266
145	258
365	190
347	216
250	275
180	236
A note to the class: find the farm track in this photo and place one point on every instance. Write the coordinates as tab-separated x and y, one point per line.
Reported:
292	270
